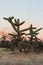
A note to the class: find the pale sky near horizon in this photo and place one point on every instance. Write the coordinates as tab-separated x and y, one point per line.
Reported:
28	10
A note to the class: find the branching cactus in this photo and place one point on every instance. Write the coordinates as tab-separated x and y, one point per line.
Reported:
11	22
33	34
16	26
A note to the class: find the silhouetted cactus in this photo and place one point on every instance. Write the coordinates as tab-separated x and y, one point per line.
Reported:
33	33
31	30
16	26
11	22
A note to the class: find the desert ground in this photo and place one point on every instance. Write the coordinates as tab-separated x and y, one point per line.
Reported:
10	58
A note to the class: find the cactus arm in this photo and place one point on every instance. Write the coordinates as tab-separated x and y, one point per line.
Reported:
33	27
5	18
36	33
12	34
22	23
24	29
16	24
15	21
19	23
30	28
38	29
10	21
10	18
32	34
18	28
22	34
12	24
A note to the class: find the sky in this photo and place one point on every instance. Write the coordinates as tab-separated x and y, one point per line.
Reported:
29	10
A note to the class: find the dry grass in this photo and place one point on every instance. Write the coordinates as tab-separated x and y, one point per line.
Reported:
20	58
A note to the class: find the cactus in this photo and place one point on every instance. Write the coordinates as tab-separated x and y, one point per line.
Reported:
30	28
33	33
16	26
11	22
33	38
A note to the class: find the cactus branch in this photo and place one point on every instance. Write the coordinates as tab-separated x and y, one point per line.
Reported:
10	21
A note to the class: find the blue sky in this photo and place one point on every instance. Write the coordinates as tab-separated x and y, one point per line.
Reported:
29	10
